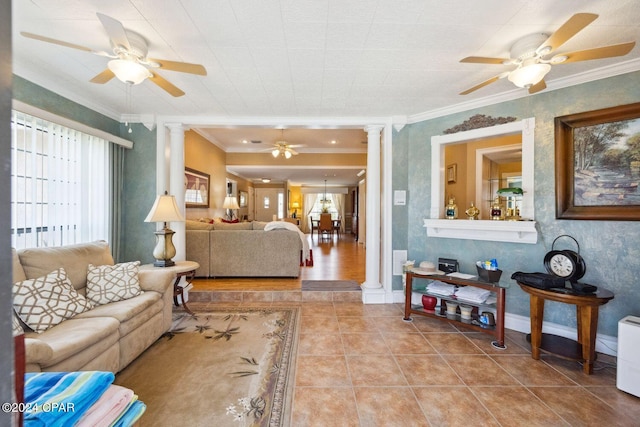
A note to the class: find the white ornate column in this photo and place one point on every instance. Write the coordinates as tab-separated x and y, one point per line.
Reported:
372	289
176	185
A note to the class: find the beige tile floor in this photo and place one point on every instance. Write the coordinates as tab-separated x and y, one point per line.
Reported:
362	365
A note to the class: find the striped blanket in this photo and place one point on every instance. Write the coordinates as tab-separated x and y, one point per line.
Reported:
73	398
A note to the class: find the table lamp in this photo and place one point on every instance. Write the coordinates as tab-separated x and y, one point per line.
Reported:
164	209
295	206
230	203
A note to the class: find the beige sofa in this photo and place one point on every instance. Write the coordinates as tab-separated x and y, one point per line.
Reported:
243	249
107	337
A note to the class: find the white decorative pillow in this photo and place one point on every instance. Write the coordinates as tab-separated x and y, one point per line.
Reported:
111	283
48	300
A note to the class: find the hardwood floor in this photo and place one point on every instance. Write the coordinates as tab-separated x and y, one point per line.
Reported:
334	259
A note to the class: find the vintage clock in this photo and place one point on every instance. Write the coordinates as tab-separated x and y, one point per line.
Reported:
565	263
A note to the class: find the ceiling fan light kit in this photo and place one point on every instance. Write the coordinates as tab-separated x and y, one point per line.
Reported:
528	55
528	75
128	71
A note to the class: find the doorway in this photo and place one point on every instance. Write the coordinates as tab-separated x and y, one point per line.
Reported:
269	204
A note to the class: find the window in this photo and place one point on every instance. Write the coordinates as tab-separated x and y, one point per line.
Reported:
281	205
324	201
59	184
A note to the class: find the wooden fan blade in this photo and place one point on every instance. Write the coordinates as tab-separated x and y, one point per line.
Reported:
164	84
483	84
569	29
599	52
103	77
115	30
541	85
483	60
54	41
183	67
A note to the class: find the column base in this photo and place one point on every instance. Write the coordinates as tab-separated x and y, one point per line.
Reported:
373	295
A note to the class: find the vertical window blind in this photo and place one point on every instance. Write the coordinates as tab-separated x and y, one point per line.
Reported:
60	184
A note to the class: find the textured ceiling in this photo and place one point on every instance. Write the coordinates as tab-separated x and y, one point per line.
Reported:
309	59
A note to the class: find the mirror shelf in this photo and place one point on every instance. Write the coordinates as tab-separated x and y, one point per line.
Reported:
490	230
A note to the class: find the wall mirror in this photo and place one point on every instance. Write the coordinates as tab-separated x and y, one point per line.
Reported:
486	165
486	159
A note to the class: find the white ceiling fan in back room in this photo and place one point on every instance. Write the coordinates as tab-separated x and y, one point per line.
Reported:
529	52
283	148
129	61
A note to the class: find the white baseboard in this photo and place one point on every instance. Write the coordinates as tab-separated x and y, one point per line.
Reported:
605	344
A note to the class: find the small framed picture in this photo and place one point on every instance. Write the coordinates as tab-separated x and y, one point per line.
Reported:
452	173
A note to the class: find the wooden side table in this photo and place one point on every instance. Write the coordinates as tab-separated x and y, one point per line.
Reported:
587	319
186	269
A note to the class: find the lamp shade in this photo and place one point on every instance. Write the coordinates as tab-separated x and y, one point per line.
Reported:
128	71
164	209
529	75
295	205
230	202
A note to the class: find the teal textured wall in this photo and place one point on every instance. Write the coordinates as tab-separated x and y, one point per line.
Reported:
137	240
611	248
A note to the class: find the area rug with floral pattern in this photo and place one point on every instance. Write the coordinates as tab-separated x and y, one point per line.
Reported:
223	367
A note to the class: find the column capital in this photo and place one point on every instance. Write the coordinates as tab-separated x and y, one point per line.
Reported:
175	127
373	129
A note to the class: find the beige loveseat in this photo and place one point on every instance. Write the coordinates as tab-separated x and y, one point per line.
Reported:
242	249
107	337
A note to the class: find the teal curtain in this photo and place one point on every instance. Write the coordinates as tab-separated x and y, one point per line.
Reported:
116	155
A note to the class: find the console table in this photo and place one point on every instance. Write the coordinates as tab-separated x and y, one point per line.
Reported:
499	306
587	305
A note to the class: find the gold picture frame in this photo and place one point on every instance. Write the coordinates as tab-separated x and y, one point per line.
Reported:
452	173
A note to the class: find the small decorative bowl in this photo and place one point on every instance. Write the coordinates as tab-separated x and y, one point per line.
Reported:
429	303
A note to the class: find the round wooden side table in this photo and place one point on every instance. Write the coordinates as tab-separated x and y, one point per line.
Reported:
186	269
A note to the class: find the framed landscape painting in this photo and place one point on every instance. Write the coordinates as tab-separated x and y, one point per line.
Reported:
598	164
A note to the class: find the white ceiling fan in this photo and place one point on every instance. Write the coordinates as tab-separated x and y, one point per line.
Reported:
129	61
529	53
283	148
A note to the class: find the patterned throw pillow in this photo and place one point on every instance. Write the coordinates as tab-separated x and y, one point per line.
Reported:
111	283
16	327
48	300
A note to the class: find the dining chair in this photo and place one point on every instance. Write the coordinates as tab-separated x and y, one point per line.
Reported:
325	228
337	224
314	225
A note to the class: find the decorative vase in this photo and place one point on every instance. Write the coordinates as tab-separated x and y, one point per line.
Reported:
429	303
